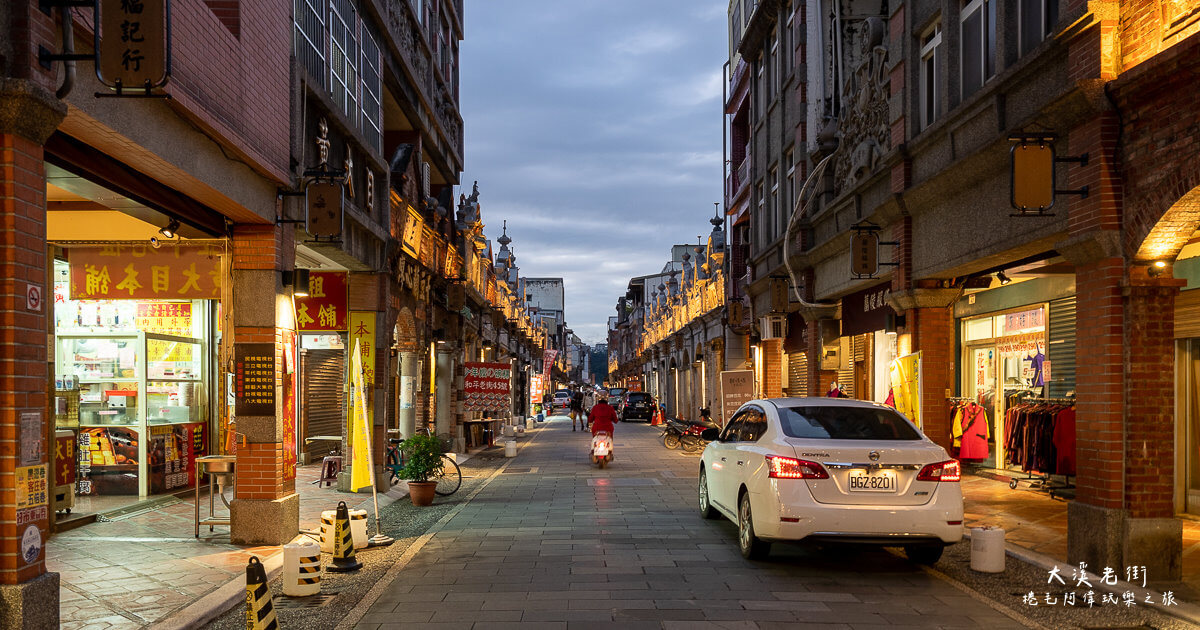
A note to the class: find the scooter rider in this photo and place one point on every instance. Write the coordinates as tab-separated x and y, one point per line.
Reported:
603	417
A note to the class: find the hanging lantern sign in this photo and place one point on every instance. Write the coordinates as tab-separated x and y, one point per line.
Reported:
135	44
779	294
324	203
864	253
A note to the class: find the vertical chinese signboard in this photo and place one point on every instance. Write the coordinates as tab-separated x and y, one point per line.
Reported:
486	386
362	330
289	405
134	48
254	379
324	309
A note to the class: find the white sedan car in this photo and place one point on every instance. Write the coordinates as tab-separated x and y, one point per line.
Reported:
829	469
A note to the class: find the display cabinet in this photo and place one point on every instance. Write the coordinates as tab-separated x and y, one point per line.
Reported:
135	391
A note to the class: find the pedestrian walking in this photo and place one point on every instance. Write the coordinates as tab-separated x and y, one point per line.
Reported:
577	411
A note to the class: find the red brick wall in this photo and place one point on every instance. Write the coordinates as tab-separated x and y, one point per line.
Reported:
935	339
23	379
1099	360
772	350
1143	33
1149	396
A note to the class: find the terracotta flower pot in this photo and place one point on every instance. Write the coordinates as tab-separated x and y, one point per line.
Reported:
421	492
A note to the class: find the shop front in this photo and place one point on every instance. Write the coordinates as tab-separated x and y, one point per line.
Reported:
1015	411
867	346
135	341
322	323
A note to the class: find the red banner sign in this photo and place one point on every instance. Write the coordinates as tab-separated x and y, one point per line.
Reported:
64	458
139	272
486	386
325	307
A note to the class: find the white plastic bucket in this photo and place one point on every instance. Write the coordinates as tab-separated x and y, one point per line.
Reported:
301	569
529	423
358	528
510	448
509	431
987	549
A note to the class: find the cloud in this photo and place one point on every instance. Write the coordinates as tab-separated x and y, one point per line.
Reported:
593	129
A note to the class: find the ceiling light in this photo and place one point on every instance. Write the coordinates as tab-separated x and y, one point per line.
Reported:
1003	278
172	229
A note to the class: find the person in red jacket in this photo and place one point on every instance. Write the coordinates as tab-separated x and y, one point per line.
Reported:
602	417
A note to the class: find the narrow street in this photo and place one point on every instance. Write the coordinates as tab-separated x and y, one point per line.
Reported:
555	542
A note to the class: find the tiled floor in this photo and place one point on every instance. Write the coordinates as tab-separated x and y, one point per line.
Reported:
138	569
1034	520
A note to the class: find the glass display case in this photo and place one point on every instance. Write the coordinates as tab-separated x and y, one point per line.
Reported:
134	386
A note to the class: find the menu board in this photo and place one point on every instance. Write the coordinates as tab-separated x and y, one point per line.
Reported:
173	452
254	379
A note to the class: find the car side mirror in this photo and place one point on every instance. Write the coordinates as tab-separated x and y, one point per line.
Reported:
710	434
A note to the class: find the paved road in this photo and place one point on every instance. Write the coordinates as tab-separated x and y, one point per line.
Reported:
553	542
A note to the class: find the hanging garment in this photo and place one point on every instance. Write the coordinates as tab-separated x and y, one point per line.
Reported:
974	423
1037	360
956	425
891	399
1064	441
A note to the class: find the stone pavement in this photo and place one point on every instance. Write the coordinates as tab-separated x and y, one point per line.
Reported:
554	542
143	566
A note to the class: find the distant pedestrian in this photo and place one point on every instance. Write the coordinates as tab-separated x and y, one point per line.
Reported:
576	407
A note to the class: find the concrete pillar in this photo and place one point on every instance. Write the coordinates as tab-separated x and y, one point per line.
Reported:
266	508
28	115
444	382
406	411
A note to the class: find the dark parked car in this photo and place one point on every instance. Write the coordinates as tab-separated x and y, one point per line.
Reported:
637	406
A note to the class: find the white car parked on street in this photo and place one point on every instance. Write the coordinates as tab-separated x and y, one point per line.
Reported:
829	469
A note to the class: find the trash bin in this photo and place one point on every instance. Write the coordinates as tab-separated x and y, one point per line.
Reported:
987	549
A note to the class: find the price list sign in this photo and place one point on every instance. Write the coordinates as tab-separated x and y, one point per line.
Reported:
254	379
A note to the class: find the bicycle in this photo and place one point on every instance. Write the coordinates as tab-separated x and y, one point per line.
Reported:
448	482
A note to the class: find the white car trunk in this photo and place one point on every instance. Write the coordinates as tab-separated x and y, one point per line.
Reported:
857	478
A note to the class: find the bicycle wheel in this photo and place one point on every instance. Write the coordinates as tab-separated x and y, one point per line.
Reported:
393	465
451	478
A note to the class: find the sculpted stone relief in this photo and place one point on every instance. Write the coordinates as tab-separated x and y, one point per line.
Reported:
864	127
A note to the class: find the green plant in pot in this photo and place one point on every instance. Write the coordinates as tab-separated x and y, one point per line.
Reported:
422	467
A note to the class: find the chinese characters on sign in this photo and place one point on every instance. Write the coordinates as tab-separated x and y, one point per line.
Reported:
124	272
324	309
1135	576
133	47
171	318
33	442
362	330
32	488
486	386
254	379
737	387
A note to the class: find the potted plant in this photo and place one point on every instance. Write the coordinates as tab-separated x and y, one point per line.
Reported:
422	466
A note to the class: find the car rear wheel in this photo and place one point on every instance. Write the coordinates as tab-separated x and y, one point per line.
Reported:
751	547
924	554
706	509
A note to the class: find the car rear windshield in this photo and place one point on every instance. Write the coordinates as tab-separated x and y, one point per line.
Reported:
829	422
638	397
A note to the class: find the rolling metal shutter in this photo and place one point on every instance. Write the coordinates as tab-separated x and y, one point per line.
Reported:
1061	350
323	400
797	363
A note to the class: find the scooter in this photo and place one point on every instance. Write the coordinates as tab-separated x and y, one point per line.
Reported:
602	448
671	434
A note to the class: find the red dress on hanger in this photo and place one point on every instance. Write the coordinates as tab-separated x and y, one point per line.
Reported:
974	433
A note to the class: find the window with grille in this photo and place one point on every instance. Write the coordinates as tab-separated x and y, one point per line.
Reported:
372	90
308	37
343	57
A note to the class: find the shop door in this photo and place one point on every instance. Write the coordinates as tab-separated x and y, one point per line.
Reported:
1189	404
323	400
981	387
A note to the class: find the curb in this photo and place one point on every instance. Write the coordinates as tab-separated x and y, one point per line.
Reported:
1182	610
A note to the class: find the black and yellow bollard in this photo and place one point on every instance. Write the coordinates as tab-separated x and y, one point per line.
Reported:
260	614
343	543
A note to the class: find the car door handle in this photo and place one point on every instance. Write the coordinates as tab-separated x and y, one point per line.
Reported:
722	459
740	463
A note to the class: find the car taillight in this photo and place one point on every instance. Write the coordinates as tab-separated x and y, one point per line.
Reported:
792	468
941	471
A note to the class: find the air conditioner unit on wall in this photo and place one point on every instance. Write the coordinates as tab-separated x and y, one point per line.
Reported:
773	326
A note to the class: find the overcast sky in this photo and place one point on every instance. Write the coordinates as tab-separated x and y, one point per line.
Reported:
594	129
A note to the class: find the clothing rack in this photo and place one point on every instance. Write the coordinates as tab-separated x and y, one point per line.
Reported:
1044	481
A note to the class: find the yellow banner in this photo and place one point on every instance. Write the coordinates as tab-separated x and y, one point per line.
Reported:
906	386
362	469
362	332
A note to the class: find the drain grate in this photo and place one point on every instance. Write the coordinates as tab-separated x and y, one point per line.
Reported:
516	470
294	603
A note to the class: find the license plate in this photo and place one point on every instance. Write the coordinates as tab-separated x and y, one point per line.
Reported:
865	481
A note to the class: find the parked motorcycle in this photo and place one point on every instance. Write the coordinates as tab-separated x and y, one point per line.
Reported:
692	439
602	448
672	431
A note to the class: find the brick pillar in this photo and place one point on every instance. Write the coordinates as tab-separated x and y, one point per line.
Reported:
28	115
266	508
934	338
772	350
